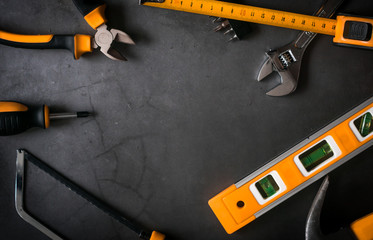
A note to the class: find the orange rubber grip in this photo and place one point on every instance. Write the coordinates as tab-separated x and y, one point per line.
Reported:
93	11
77	44
363	227
97	17
354	32
25	38
157	236
12	107
82	44
46	117
16	118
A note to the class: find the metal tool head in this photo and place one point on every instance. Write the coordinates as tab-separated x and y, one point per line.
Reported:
313	231
19	195
23	155
286	61
104	39
234	28
277	62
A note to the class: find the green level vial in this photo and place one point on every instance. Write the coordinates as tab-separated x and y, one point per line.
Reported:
316	155
364	124
267	187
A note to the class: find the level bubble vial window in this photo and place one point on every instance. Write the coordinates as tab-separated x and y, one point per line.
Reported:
316	155
268	187
364	124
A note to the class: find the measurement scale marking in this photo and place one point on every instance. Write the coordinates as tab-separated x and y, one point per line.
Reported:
251	14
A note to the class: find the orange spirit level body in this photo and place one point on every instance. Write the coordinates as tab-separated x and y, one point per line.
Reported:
295	169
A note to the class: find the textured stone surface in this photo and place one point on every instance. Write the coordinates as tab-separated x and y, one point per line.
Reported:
182	120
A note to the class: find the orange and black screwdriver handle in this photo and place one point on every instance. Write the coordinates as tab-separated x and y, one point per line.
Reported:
16	118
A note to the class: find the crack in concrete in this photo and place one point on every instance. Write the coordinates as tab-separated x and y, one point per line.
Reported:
85	122
80	87
122	185
153	106
134	188
126	98
145	205
97	180
116	165
97	122
144	160
125	140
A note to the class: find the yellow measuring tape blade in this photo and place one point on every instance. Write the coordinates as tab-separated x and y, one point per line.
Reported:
251	14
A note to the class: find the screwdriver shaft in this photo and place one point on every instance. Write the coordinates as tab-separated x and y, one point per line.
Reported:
54	116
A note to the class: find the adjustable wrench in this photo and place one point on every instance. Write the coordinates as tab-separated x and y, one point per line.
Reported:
286	61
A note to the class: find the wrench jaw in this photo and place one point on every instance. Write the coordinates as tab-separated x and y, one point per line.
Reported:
287	86
287	67
286	61
266	69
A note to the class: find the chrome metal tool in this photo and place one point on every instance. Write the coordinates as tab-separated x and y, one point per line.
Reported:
104	38
286	60
20	179
234	28
360	229
313	230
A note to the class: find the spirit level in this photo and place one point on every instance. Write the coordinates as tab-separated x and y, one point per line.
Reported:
347	30
295	169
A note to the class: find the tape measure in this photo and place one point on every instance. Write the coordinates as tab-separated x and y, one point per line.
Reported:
295	169
347	30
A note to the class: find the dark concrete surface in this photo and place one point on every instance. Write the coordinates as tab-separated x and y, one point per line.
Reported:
179	122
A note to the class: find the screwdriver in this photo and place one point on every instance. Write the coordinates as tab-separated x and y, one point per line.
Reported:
16	117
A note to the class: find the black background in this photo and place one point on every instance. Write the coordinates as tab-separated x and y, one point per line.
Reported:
179	122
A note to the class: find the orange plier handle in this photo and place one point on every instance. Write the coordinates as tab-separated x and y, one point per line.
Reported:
93	12
78	44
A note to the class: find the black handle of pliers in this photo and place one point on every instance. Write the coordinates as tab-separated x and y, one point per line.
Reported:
93	11
77	44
